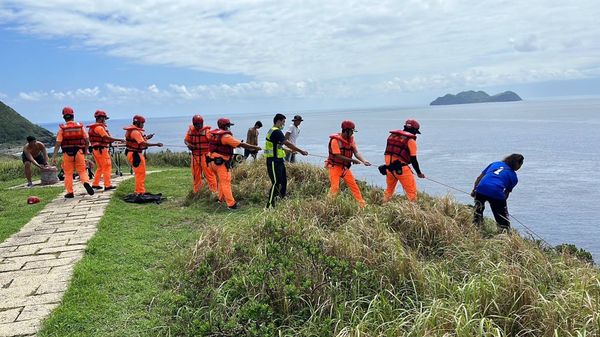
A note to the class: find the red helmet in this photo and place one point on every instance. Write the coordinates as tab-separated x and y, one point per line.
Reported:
197	119
348	125
100	113
139	119
68	111
33	200
411	123
224	122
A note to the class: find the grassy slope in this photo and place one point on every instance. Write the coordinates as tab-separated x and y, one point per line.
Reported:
314	267
14	128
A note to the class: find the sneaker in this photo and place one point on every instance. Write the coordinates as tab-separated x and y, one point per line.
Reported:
30	184
69	195
109	188
88	188
234	206
97	187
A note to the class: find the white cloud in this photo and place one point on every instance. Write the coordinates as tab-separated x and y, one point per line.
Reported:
82	94
278	42
3	95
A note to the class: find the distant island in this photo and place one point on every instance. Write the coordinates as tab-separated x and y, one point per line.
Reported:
471	96
15	128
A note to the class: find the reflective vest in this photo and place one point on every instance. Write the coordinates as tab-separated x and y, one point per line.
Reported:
73	136
199	140
96	140
215	144
397	145
346	149
269	146
130	143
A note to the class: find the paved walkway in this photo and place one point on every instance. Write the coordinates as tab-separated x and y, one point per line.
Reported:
36	263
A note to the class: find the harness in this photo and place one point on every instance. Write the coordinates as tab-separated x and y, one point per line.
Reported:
346	149
97	141
130	143
216	145
273	150
199	139
397	145
73	137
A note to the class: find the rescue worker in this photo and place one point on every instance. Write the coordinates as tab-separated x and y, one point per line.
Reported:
73	141
197	140
341	149
136	142
494	185
34	153
400	152
221	146
100	140
275	159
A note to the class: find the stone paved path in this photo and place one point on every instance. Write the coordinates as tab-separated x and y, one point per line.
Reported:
36	263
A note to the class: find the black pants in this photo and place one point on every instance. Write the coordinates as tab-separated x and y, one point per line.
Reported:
248	153
278	176
499	209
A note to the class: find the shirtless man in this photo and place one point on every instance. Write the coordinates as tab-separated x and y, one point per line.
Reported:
34	153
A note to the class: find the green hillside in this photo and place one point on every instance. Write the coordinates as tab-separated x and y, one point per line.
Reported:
15	128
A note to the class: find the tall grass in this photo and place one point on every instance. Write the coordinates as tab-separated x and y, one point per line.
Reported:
320	267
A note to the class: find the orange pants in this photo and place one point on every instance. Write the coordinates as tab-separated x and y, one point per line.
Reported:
337	172
71	164
139	172
223	177
199	168
407	179
102	158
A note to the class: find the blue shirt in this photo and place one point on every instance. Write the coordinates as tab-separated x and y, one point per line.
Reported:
498	178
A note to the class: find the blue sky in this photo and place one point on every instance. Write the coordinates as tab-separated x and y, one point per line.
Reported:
162	58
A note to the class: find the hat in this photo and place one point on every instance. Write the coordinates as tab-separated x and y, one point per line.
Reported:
411	123
222	122
139	119
100	113
68	111
298	118
348	125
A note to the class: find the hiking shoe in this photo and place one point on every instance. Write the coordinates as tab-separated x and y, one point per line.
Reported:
97	187
30	184
88	188
234	206
109	188
69	195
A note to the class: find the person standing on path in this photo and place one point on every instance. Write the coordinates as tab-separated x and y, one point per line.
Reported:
291	135
34	153
100	140
494	185
221	146
400	152
73	141
252	139
136	142
197	140
275	159
341	149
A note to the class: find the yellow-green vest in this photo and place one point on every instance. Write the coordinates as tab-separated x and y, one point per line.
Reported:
269	153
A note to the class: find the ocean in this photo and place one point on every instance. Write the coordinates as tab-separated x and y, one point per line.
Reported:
559	184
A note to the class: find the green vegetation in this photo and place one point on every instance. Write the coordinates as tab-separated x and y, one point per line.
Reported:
14	210
14	129
316	267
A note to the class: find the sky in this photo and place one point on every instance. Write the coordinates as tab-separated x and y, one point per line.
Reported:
176	58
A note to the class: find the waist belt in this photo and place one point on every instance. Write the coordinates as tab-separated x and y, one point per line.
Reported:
218	161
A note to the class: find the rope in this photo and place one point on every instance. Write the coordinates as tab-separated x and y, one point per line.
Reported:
510	215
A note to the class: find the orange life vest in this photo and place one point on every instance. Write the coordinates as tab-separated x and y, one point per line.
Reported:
96	140
397	145
215	144
130	143
199	139
73	136
346	149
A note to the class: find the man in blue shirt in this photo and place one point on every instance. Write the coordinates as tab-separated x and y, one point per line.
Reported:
493	185
275	155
